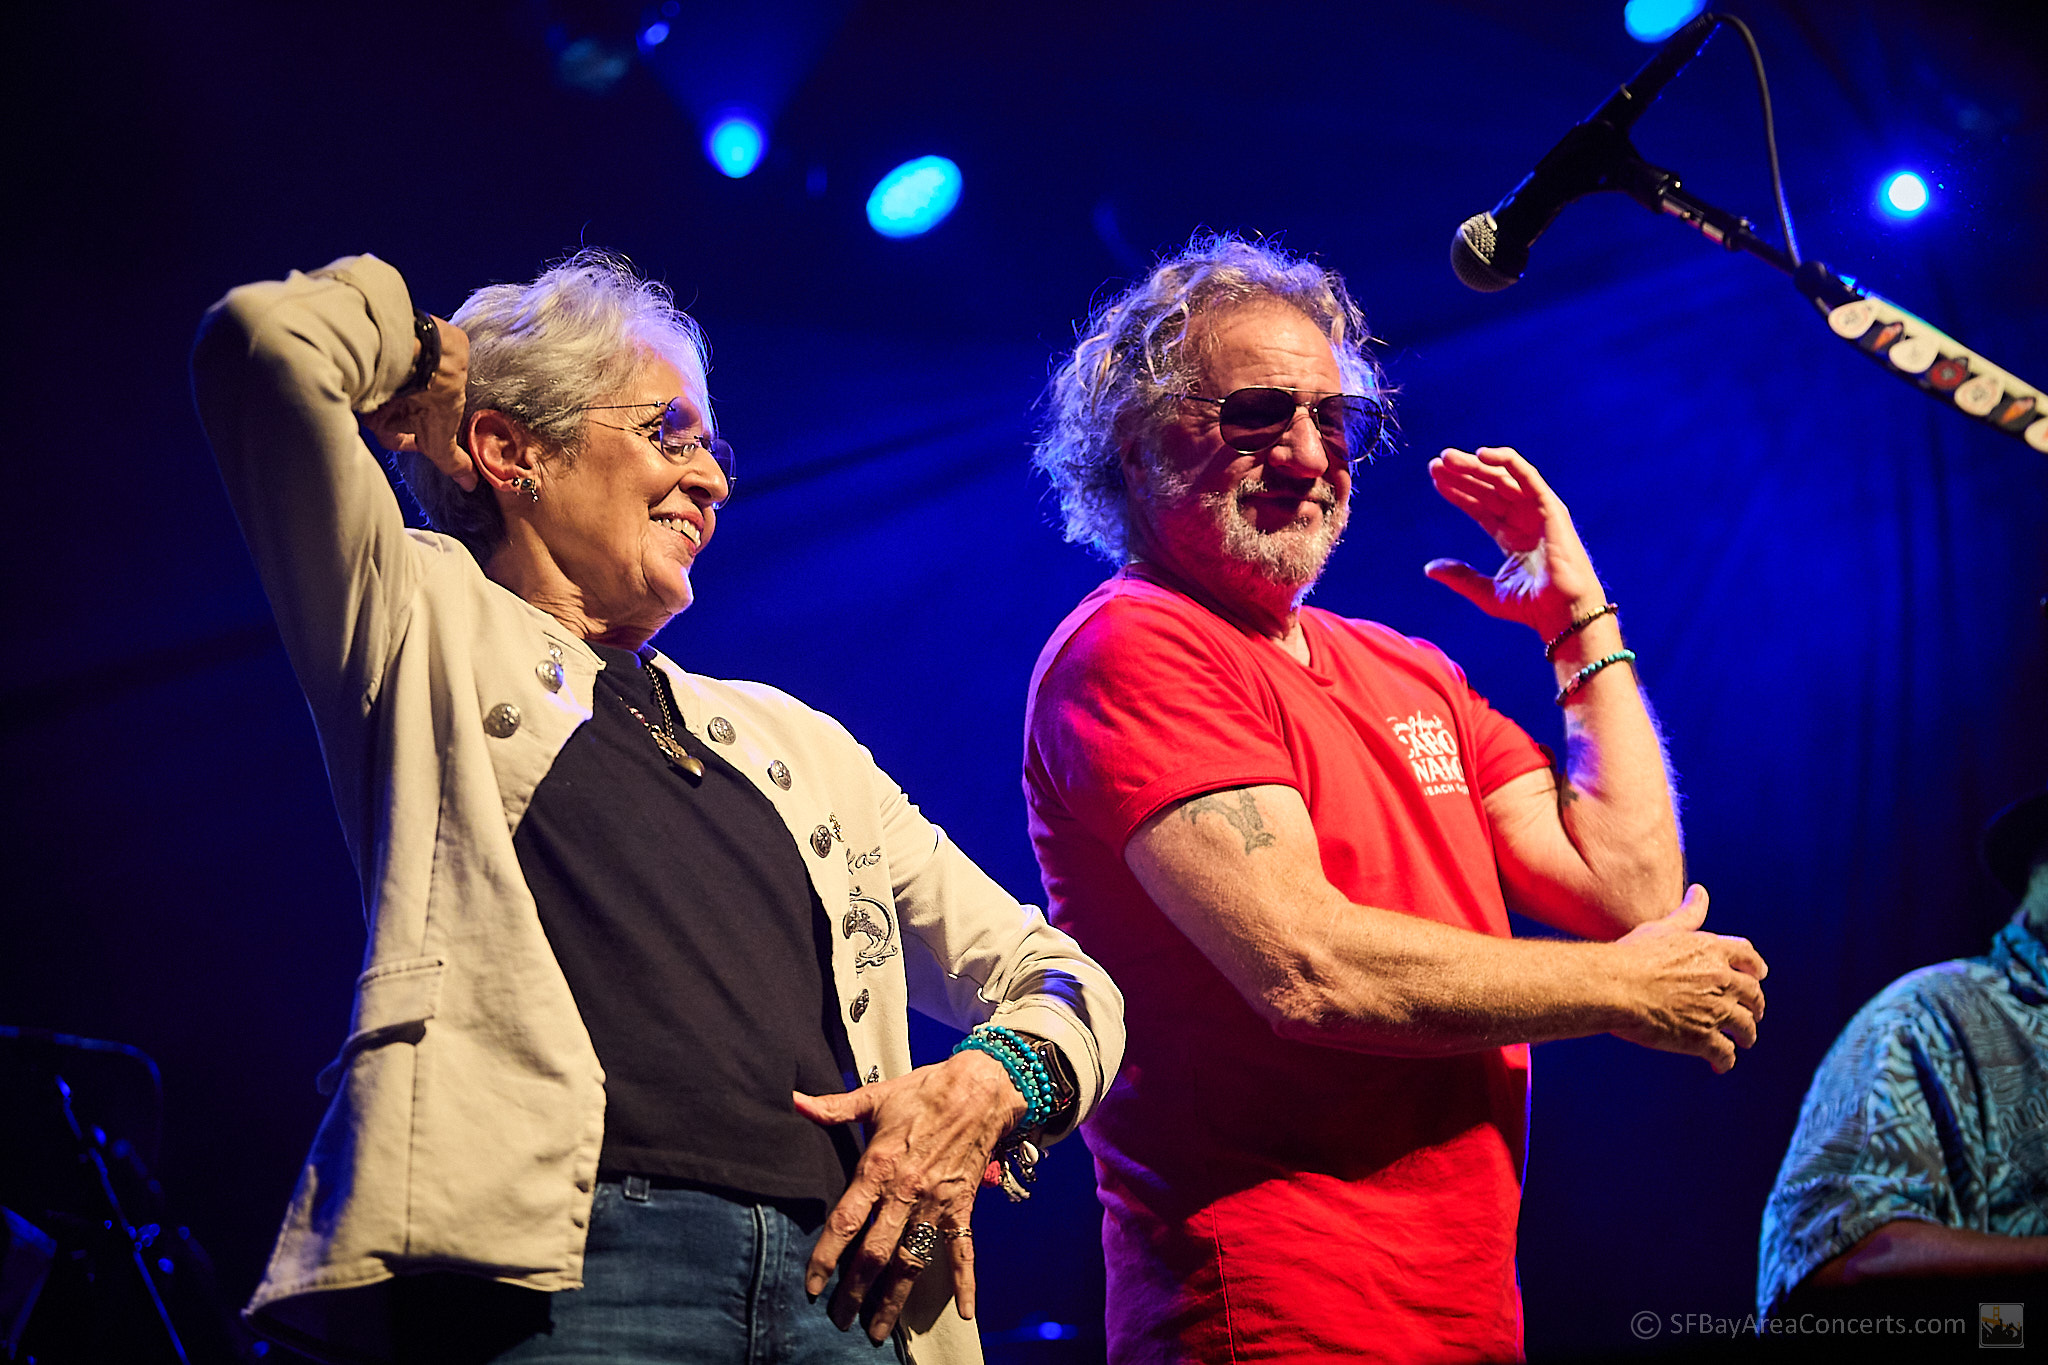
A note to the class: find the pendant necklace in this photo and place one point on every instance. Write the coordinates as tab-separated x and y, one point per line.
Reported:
664	735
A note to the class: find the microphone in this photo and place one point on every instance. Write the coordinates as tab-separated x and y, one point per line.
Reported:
1491	250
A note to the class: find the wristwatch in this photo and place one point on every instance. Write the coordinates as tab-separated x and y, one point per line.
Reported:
1066	1092
429	358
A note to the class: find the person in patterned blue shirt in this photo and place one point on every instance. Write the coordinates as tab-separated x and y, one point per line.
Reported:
1920	1165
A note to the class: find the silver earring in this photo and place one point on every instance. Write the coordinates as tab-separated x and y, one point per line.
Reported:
525	484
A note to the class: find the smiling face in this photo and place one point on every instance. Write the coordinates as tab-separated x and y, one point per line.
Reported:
622	522
1248	528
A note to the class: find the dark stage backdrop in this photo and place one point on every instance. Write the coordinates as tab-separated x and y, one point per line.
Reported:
1832	583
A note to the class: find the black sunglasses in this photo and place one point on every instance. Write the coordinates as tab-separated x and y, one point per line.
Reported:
1251	420
670	434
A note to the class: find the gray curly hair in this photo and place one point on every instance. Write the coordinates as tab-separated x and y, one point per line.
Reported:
1119	385
538	352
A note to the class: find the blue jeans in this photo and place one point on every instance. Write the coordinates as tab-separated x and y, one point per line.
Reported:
685	1277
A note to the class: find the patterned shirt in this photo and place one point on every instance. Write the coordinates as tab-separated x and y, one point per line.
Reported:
1932	1105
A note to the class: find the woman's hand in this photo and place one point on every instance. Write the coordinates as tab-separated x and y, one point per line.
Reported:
933	1131
430	420
1547	580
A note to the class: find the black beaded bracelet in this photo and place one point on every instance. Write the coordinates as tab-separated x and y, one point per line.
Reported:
1585	675
429	359
1550	650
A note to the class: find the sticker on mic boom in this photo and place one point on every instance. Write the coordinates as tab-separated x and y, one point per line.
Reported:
1948	375
1912	354
1980	395
1852	319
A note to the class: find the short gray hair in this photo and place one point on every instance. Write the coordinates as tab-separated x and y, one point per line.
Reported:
1118	386
538	352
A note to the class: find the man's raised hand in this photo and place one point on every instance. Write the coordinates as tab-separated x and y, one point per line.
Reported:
1546	579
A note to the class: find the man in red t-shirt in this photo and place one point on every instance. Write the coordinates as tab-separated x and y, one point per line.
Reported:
1293	839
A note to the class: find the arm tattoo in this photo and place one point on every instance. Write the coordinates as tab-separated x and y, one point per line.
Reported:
1242	814
1566	792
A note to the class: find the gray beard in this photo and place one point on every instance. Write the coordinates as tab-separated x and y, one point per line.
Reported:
1292	557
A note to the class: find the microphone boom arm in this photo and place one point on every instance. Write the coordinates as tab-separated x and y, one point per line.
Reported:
1491	250
1908	346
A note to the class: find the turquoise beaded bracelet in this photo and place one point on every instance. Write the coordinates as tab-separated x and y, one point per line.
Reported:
1026	1072
1020	1076
1585	675
1025	1069
1028	1055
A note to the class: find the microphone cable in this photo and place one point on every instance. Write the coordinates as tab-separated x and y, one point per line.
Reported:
1763	90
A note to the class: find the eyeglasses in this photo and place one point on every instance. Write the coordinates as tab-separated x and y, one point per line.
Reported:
1252	420
669	433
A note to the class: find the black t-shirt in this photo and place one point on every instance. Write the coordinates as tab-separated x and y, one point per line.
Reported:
699	956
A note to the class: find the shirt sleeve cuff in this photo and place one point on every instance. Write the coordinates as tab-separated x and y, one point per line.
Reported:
1064	1032
390	304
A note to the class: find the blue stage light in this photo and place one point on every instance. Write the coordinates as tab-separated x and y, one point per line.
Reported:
735	145
915	197
1904	195
653	36
1652	21
591	66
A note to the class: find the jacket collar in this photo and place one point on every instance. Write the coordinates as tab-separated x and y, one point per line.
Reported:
2021	955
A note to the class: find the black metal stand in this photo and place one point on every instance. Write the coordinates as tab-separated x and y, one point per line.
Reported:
117	1220
58	1164
1906	345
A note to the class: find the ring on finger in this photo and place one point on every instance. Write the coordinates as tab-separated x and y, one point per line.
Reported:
920	1243
957	1234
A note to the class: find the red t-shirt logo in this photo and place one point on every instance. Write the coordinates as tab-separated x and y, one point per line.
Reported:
1432	753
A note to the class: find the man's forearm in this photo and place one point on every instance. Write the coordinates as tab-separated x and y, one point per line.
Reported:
1614	793
1594	851
1238	872
1593	848
1378	981
1405	987
1907	1249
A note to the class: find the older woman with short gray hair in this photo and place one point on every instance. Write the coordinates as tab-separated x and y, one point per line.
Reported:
640	942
